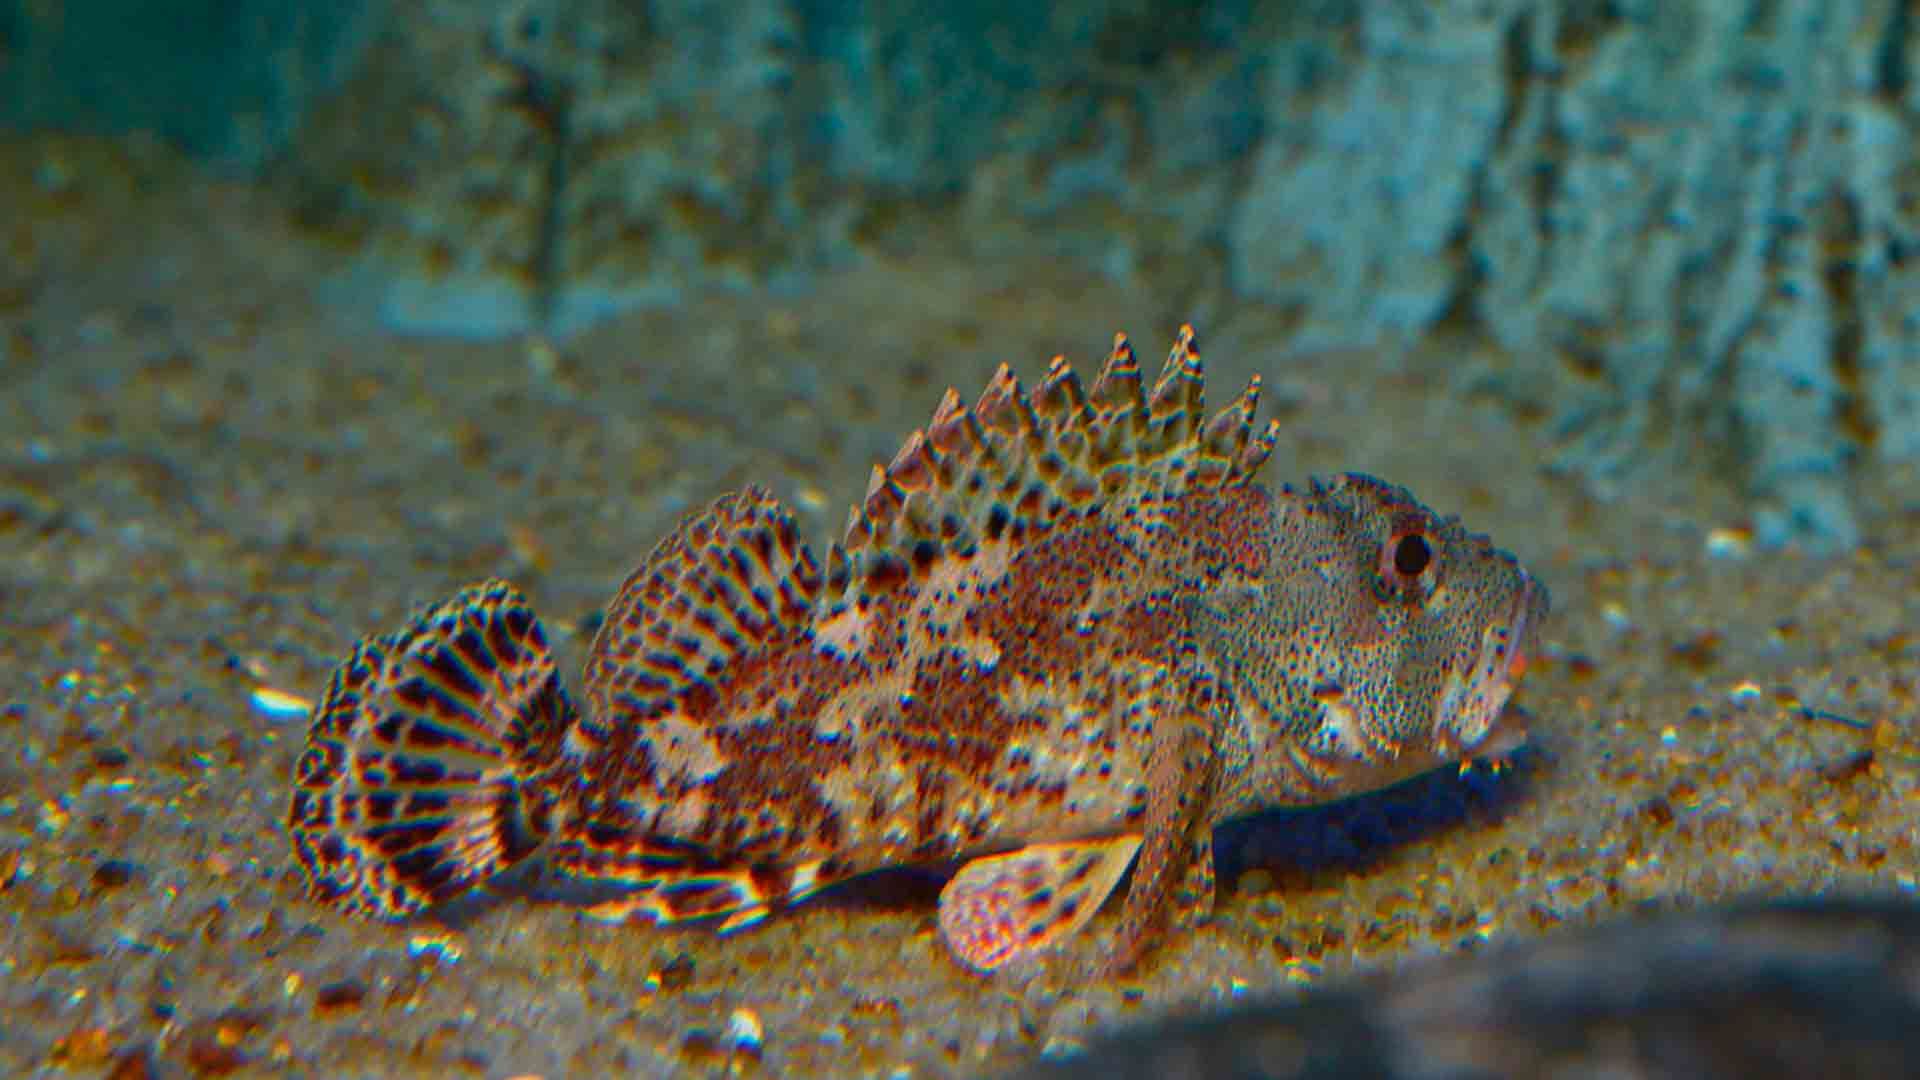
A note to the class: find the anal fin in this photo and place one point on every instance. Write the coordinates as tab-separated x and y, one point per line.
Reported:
664	884
1009	907
731	897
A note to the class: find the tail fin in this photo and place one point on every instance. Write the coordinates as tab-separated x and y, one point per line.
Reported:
430	763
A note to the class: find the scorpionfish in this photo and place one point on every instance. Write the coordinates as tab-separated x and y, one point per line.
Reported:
1065	633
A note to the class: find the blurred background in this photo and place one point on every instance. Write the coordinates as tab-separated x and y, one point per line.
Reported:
1686	227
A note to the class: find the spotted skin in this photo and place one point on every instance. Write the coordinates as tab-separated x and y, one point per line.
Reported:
1063	631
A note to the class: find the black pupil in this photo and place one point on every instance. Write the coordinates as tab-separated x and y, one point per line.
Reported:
1411	555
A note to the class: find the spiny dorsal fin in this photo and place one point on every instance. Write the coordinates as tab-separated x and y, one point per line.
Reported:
725	582
1012	465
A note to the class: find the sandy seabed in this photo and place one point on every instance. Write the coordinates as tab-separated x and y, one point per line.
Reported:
212	480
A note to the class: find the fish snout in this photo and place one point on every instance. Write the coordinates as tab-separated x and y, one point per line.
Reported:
1472	719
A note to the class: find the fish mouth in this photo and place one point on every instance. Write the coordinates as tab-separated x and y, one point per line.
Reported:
1473	720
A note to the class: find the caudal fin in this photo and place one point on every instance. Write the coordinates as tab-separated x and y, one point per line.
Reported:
430	762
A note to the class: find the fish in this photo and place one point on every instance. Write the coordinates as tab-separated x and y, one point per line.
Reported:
1066	632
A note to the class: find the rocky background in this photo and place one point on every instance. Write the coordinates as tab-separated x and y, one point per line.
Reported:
1688	226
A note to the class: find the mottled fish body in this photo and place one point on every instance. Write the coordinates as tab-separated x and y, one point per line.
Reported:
1063	633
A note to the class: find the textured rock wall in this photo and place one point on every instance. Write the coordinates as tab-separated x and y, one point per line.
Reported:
1688	225
1378	121
1711	208
520	162
1701	212
231	80
513	162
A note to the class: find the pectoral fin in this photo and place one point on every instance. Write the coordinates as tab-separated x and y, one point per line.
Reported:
1175	875
1192	899
1008	907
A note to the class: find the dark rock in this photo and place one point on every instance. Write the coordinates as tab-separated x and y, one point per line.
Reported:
1801	988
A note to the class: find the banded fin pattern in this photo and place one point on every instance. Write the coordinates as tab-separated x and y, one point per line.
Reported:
729	583
432	761
1013	465
726	582
671	887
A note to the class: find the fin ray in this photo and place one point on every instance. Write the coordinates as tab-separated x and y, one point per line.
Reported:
430	759
1006	908
665	883
1013	466
725	583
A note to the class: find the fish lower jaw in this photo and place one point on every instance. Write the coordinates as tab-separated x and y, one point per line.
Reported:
1467	717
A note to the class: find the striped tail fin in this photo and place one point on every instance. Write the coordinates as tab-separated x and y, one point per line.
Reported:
432	761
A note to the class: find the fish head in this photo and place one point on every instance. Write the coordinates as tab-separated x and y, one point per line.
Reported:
1382	639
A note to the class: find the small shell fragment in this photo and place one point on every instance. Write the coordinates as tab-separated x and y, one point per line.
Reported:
279	703
744	1033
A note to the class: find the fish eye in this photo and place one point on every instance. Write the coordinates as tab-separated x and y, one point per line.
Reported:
1406	556
1412	555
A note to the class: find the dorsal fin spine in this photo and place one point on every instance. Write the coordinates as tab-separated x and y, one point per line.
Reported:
956	430
1118	385
1257	451
1060	399
994	407
1227	433
839	575
884	497
913	468
1177	404
858	533
1014	466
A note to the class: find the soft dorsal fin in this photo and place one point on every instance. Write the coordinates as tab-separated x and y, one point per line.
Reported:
725	582
1011	466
